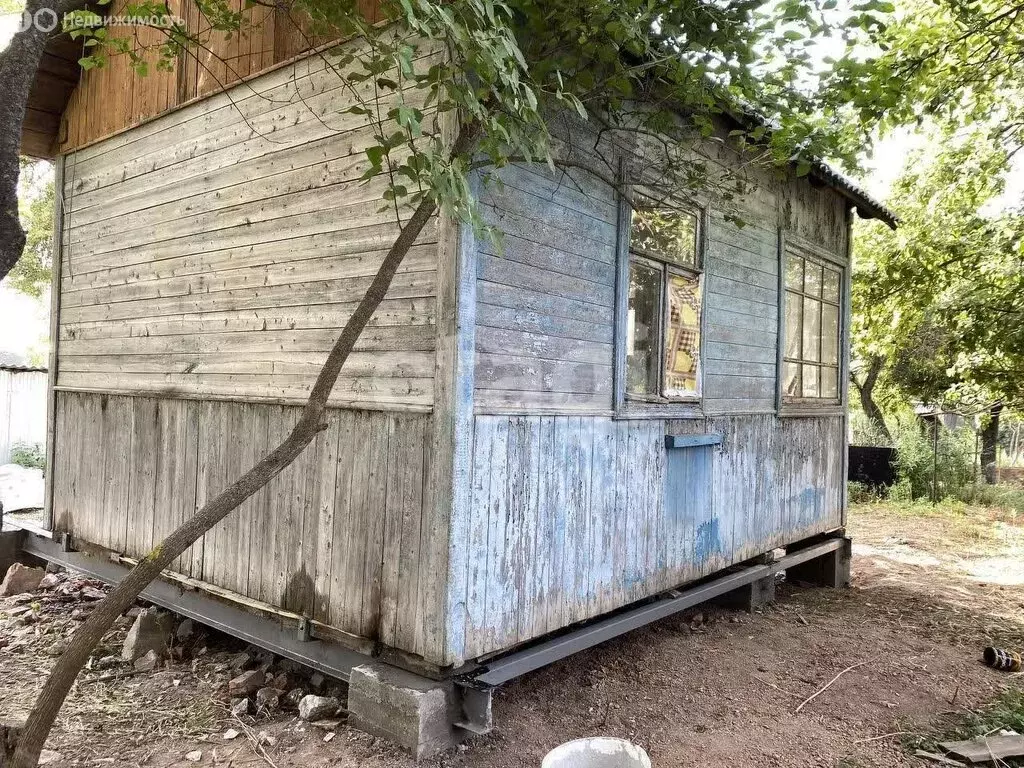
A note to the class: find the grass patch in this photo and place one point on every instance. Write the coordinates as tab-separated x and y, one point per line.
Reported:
1005	713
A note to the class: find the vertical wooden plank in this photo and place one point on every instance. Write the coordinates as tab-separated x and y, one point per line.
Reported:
372	515
544	513
409	521
144	470
343	542
529	531
117	451
476	581
327	494
497	520
55	291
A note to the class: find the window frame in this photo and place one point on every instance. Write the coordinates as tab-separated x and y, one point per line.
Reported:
656	406
812	406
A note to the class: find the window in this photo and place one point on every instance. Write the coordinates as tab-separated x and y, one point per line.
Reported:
811	355
664	305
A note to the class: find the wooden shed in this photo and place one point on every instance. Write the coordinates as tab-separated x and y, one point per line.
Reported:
527	438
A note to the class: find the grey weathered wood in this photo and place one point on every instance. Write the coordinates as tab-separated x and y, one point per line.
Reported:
55	293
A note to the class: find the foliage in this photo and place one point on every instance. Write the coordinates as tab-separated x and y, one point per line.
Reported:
943	283
636	72
31	455
31	275
862	493
938	61
863	431
918	462
1005	497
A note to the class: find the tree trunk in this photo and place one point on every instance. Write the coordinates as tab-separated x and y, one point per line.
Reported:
18	65
867	399
311	422
990	444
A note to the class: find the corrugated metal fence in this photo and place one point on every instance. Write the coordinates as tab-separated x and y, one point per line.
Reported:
22	408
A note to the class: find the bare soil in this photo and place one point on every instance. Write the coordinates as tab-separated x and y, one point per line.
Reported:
713	688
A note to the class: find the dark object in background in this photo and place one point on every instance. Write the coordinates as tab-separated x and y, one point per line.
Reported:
1006	661
872	465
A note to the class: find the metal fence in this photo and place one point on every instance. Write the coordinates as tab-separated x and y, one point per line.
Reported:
22	408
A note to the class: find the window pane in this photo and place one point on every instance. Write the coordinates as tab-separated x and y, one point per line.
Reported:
682	341
810	381
642	329
830	289
830	383
665	233
812	330
812	279
794	332
830	334
791	379
795	273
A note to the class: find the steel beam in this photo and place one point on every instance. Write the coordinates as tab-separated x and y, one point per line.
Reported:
260	630
533	657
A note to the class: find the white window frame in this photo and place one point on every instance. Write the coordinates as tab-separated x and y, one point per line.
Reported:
806	406
650	405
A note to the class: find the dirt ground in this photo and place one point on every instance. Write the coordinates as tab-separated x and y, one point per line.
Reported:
719	688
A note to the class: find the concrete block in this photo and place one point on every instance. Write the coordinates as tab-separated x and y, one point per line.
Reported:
829	570
751	597
411	711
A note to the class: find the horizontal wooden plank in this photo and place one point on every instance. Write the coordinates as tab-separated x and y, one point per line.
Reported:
498	341
529	301
495	269
404	286
532	374
533	321
392	312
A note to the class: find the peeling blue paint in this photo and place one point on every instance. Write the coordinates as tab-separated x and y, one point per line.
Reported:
708	542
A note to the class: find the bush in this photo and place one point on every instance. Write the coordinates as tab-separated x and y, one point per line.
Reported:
862	493
1005	497
31	455
915	456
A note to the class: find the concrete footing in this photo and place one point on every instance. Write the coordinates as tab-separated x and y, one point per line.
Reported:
411	711
750	597
829	570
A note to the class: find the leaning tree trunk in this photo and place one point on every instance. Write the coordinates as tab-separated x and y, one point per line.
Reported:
18	65
311	422
990	444
867	396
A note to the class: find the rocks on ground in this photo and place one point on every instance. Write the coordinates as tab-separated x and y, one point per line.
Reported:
318	707
21	578
149	633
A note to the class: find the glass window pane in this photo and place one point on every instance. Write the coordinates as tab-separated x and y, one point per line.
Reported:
794	333
642	330
810	381
830	334
682	339
665	233
830	288
812	279
830	383
791	379
812	330
794	273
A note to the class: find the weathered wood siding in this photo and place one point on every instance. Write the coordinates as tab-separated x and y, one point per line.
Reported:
217	251
110	99
576	516
546	292
335	537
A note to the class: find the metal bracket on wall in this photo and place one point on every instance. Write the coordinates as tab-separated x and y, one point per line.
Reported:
305	632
